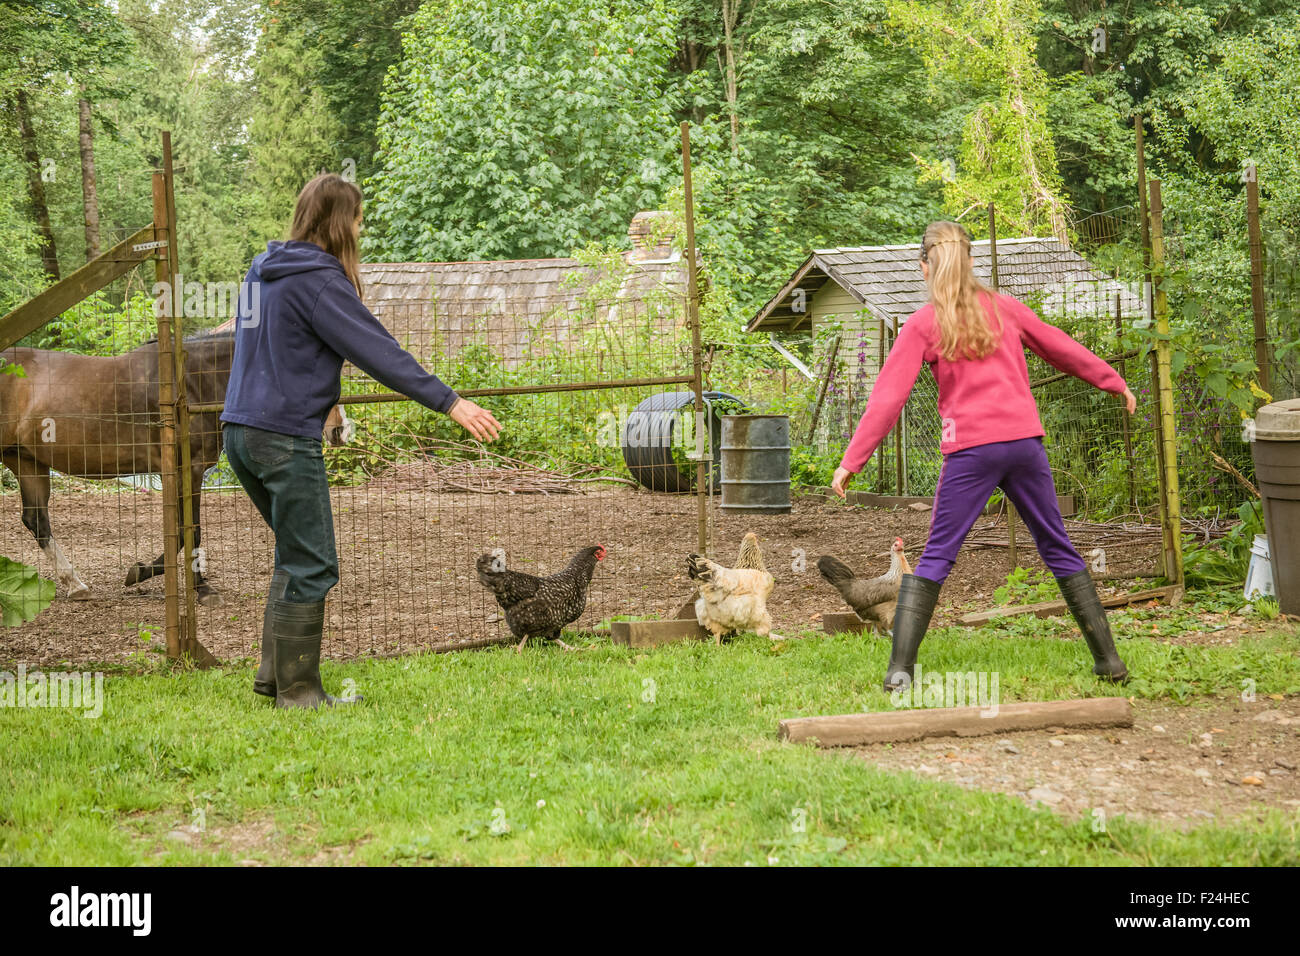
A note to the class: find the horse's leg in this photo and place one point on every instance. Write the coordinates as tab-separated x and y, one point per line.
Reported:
34	489
204	592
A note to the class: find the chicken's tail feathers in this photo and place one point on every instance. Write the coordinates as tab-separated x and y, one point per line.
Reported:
699	568
834	570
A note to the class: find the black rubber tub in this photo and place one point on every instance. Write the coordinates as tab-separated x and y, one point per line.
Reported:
653	459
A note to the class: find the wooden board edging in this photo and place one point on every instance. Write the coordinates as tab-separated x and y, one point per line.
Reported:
1052	608
897	726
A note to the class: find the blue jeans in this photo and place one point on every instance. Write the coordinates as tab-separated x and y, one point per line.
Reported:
285	477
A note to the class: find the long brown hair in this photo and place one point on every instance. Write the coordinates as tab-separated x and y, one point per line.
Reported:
964	327
328	213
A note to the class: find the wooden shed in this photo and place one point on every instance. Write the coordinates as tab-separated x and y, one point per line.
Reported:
873	289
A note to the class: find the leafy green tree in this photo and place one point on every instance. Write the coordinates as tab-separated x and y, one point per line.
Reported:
1007	154
519	129
293	134
1108	61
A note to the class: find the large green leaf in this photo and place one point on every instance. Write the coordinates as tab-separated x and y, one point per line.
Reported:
23	593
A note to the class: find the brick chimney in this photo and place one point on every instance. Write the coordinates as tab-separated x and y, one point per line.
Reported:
650	235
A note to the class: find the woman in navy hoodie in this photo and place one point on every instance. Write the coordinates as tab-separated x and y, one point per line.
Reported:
290	344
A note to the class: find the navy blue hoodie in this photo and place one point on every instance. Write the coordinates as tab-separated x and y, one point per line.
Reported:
291	338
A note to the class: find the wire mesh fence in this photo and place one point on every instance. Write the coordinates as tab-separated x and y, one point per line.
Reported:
415	504
80	498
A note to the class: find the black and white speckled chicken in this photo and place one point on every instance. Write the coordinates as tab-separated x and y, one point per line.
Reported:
540	607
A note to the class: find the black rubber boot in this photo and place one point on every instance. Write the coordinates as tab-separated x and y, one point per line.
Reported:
297	630
1081	598
264	682
916	599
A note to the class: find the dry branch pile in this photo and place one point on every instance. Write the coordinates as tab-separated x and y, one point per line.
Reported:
471	468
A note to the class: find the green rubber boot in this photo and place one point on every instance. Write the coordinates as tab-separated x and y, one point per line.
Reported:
1081	598
264	682
916	600
297	629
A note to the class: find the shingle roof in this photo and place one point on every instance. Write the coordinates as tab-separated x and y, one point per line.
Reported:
432	306
887	280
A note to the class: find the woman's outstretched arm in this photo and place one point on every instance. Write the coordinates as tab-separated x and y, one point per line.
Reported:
344	323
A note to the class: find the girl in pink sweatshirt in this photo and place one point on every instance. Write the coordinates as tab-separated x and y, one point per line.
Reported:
974	341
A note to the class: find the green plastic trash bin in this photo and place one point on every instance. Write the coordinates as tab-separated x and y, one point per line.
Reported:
1276	451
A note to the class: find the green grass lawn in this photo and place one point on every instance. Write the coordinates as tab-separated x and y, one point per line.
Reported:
609	756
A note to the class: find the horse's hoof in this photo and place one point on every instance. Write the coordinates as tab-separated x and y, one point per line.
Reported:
82	594
134	576
209	598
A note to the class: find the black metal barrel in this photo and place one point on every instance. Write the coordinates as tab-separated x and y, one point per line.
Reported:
756	464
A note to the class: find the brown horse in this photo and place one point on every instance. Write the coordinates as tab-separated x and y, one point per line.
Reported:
94	417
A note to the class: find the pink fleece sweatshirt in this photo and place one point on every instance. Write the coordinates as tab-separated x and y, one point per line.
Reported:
980	400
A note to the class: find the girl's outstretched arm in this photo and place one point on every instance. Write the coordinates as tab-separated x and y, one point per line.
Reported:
1064	354
888	396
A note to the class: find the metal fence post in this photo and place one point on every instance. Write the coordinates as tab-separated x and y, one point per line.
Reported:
702	477
993	275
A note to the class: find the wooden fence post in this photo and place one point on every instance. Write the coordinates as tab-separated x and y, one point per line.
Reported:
1262	357
1148	303
1168	450
164	305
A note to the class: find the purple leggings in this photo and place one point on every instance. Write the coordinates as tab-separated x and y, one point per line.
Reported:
967	479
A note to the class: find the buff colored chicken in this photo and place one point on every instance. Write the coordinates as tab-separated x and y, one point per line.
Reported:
733	599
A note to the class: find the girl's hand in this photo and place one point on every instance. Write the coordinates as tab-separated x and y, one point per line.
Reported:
1130	401
478	421
841	480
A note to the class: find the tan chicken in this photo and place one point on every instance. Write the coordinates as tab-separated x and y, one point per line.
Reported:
874	599
733	599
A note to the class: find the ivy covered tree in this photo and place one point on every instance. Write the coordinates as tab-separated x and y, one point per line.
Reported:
1007	153
522	128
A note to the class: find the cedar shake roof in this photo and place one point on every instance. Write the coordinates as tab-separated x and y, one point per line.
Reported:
887	281
436	306
433	308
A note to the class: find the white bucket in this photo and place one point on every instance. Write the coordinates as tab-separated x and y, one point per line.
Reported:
1259	575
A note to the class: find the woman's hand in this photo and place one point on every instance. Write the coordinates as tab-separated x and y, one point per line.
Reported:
478	421
1130	401
841	480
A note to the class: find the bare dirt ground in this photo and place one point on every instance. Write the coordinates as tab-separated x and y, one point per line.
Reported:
407	564
1210	761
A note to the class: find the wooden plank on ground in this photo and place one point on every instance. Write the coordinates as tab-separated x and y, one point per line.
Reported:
1053	608
869	500
654	633
894	726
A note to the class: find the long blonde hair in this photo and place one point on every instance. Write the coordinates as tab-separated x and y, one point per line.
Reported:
964	327
328	213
